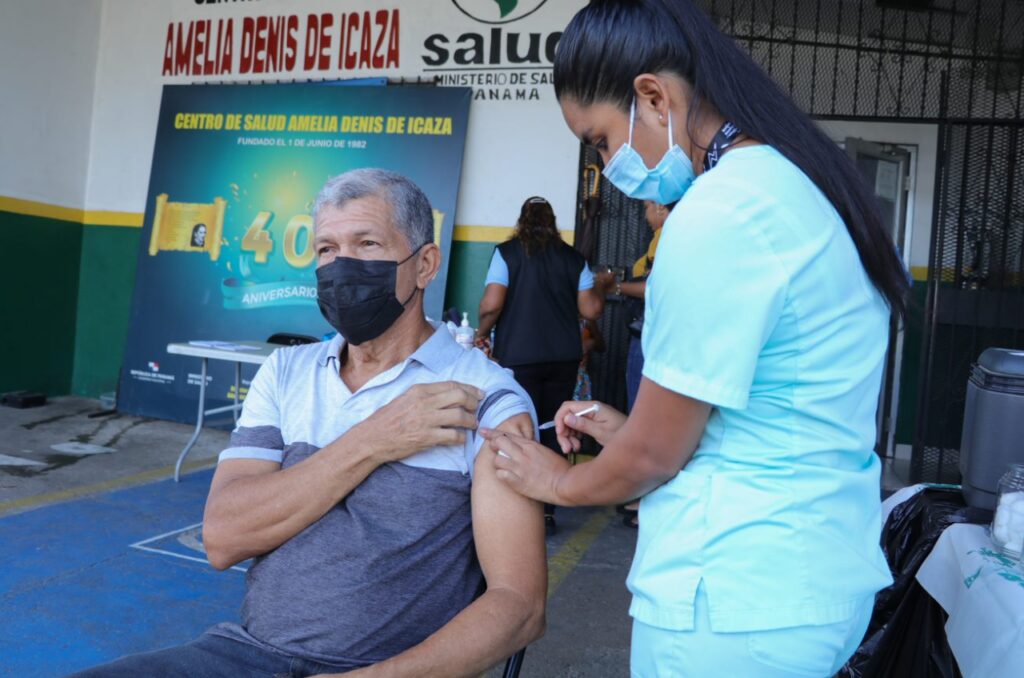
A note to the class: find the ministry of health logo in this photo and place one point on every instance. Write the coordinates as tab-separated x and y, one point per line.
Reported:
498	11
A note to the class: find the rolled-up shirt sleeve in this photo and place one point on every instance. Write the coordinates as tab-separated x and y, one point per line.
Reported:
714	296
258	433
503	401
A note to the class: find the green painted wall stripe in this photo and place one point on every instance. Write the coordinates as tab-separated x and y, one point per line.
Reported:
913	338
40	258
105	286
466	274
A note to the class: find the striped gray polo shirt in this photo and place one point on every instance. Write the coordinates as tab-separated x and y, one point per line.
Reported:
394	561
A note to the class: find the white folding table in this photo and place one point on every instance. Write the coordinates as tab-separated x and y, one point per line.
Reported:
256	355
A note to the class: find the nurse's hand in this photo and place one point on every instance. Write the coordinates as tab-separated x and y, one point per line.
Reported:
526	466
600	425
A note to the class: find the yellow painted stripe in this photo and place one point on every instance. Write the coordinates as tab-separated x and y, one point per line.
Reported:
481	233
488	234
33	208
568	557
41	209
105	486
108	218
919	273
493	234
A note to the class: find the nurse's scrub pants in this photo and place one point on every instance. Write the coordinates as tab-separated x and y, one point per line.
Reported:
797	652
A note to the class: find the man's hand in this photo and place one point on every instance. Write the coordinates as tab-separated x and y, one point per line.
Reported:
600	425
425	416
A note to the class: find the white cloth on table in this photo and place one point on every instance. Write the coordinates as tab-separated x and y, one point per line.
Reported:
983	593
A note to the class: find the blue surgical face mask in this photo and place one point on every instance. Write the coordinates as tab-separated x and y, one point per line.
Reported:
664	184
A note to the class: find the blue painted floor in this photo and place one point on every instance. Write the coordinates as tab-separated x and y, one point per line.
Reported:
90	580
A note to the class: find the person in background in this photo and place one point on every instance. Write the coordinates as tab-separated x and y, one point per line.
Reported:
635	290
593	341
536	289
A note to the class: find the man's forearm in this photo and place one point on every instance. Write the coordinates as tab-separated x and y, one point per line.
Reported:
252	515
497	625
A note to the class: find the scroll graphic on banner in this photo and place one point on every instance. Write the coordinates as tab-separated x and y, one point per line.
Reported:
438	225
187	227
236	171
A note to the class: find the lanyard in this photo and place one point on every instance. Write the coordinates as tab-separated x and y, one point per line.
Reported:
724	138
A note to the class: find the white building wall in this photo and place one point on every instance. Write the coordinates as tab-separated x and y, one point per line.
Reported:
48	51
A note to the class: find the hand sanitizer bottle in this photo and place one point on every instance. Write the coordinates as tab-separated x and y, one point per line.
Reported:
465	334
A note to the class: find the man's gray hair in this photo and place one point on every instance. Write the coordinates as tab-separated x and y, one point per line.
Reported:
410	210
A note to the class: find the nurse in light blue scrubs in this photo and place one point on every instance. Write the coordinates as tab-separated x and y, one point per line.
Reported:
768	308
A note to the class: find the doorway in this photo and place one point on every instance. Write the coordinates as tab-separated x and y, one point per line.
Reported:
887	170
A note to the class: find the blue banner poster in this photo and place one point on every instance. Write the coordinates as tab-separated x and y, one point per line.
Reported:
226	252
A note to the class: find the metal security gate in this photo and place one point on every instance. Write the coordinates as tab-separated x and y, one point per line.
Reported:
975	296
622	235
958	64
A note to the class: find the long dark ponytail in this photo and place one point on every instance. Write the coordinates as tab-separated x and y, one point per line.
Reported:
536	227
609	42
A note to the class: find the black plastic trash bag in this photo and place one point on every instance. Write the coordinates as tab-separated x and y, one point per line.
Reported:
906	638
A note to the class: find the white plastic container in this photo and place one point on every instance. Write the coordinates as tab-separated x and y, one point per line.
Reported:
1008	522
465	334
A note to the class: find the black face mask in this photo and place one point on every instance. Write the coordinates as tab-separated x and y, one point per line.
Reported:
357	297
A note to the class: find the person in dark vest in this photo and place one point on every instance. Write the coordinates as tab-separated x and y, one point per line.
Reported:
537	288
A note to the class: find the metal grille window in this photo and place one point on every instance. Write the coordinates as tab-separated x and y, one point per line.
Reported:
975	287
886	59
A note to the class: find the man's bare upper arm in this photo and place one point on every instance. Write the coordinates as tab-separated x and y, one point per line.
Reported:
508	528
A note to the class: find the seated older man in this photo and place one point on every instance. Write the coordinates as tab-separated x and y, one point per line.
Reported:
356	481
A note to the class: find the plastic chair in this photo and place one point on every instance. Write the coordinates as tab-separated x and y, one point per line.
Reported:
289	339
514	664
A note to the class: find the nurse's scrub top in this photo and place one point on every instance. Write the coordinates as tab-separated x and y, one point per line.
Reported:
758	305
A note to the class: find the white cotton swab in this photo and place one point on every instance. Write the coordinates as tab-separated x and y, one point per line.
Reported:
590	410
